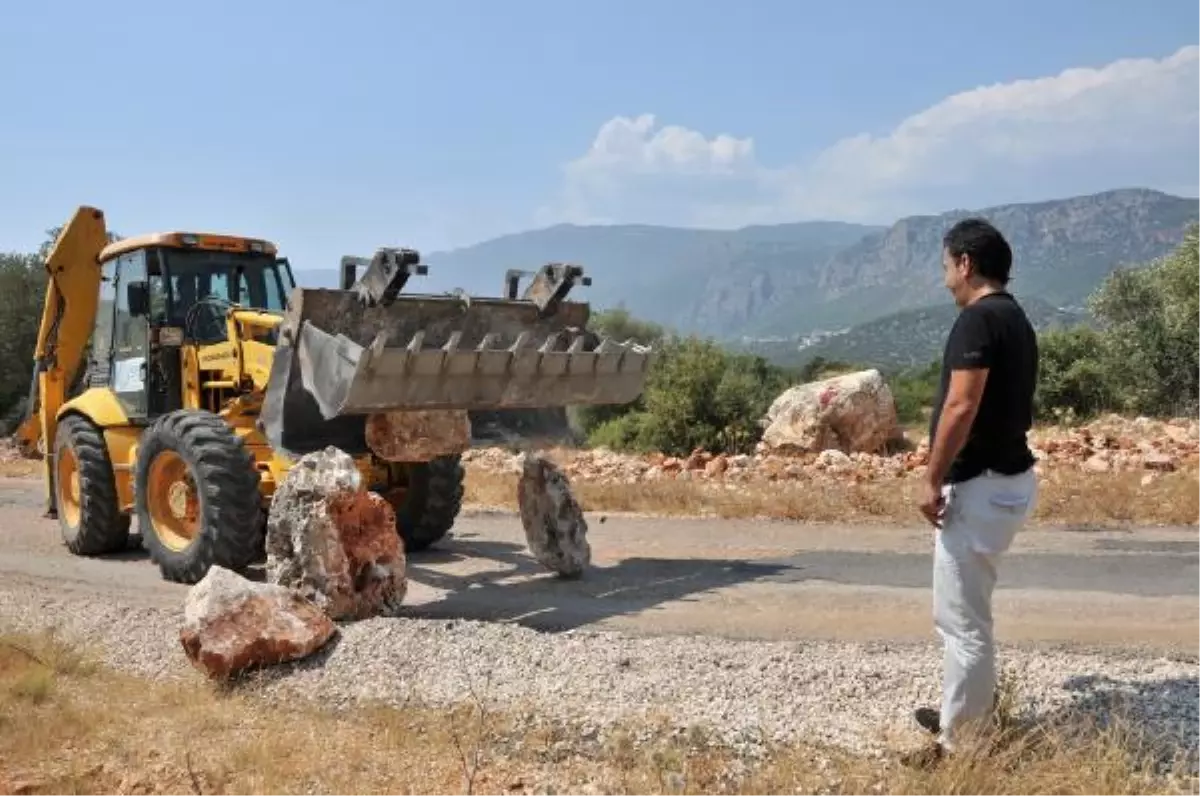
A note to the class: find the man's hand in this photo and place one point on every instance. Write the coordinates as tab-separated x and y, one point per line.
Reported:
931	503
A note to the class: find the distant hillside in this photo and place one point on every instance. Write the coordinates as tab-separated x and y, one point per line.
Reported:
706	281
1062	250
900	340
793	279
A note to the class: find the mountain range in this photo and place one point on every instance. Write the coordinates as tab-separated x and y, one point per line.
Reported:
772	286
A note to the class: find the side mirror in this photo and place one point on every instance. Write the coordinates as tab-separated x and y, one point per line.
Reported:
137	295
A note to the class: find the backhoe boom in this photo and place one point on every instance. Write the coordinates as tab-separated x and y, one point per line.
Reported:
68	315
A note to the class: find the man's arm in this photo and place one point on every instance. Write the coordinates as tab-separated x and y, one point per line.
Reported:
958	413
969	356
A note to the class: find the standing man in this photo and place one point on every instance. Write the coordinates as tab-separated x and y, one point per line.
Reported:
980	485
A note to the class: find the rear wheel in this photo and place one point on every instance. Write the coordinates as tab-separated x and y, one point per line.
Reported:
427	499
197	496
85	490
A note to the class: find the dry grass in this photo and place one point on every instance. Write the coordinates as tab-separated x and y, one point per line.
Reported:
1067	497
67	726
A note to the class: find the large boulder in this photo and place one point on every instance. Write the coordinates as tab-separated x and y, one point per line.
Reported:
853	413
334	542
232	624
418	435
555	528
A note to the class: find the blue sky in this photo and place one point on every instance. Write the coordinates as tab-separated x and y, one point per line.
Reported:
334	128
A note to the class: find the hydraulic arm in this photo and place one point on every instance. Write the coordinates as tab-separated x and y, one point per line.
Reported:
69	312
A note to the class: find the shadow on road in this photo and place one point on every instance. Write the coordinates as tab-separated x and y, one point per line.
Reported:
523	592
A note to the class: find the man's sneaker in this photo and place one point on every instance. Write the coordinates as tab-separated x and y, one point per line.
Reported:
929	720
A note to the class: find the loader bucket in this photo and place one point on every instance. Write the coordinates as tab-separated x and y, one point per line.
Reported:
340	360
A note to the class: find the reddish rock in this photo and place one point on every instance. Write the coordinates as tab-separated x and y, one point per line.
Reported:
232	624
418	435
717	467
334	542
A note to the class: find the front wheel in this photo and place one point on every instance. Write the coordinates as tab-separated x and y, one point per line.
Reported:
197	495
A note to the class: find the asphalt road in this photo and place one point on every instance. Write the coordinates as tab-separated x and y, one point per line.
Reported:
740	579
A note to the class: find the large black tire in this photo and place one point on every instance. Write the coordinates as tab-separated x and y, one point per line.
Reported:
432	499
226	486
98	526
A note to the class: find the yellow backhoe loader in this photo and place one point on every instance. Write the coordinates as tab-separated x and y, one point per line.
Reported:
179	376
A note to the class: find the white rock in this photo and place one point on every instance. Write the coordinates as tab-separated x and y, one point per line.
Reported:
555	528
854	412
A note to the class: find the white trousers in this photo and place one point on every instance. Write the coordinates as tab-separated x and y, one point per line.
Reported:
982	516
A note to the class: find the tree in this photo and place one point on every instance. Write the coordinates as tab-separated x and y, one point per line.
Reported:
1151	346
22	288
22	295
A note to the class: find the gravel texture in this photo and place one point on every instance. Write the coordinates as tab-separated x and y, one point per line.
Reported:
849	695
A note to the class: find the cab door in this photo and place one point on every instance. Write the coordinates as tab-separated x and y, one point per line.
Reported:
130	337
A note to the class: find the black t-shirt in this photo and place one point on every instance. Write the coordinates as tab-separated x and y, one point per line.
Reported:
993	333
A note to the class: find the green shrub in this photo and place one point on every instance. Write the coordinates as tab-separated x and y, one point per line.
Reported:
697	396
1074	374
914	392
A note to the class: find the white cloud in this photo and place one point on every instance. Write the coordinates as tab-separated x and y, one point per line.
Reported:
633	146
1131	122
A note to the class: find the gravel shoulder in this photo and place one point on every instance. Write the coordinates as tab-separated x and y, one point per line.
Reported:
766	631
856	696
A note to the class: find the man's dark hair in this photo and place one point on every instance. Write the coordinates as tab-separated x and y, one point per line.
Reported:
991	256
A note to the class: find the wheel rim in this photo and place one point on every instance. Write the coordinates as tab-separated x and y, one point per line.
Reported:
171	501
67	478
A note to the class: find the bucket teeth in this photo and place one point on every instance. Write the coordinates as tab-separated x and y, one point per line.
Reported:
340	362
562	371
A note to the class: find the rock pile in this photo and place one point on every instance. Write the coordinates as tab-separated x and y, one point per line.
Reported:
1108	444
1113	443
332	554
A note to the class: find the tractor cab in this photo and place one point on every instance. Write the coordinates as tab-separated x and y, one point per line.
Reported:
161	292
186	281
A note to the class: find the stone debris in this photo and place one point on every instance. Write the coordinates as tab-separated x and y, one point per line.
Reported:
334	542
555	528
851	413
418	435
232	624
1109	444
